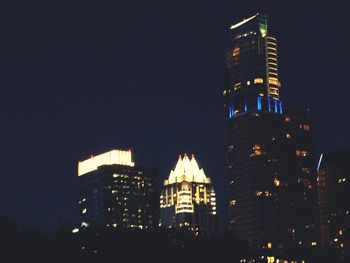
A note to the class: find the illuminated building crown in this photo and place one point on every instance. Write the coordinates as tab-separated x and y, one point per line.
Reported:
187	170
113	157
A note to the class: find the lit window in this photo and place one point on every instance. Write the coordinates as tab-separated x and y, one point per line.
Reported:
236	51
258	80
304	127
276	182
305	170
313	243
263	193
84	211
248	82
269	245
301	153
288	136
273	81
232	202
257	150
341	180
237	86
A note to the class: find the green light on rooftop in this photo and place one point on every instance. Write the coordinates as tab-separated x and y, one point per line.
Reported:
263	29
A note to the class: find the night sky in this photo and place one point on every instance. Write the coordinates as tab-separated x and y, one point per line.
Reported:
82	79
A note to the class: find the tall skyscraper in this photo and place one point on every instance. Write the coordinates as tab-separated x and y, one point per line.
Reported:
188	199
252	67
269	150
113	192
334	195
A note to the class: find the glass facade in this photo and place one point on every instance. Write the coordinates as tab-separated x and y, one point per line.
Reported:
334	193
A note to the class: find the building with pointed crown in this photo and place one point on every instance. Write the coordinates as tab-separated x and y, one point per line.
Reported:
188	199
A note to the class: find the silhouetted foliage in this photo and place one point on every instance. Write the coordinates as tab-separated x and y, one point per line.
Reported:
21	243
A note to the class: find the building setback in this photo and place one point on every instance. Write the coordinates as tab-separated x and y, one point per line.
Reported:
188	199
334	195
269	150
113	192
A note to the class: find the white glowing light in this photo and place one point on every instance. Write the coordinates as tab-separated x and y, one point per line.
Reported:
243	22
319	162
187	170
108	158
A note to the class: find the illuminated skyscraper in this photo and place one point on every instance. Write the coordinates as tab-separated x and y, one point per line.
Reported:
334	195
113	192
188	199
252	80
269	150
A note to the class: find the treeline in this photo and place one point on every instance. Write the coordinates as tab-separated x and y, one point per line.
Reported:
21	243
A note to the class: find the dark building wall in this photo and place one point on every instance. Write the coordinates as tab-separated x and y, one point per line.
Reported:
272	182
334	195
119	196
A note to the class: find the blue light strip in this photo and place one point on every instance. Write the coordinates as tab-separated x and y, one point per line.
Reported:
230	111
268	102
245	106
276	107
259	103
281	107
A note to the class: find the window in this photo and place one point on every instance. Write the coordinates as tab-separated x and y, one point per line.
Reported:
276	182
237	86
236	51
301	153
273	81
304	127
258	80
232	202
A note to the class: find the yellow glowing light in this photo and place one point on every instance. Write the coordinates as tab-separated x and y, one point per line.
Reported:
109	158
273	81
269	245
187	170
258	80
236	51
270	259
237	86
232	202
276	182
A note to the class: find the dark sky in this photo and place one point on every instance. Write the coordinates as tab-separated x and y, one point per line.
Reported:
145	75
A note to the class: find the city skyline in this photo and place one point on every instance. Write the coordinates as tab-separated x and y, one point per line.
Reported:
68	94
